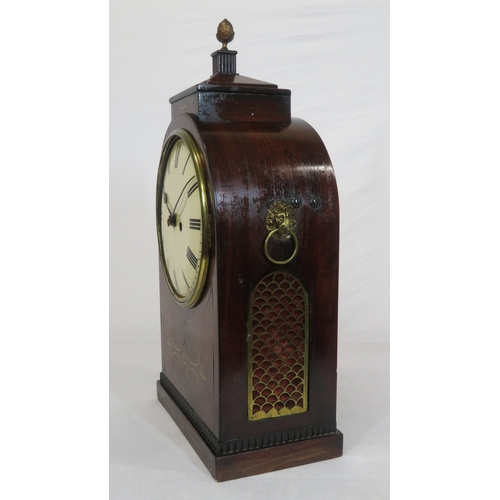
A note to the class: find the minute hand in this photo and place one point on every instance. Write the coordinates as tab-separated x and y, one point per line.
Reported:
182	192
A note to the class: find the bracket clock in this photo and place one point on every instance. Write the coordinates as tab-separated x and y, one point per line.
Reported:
248	234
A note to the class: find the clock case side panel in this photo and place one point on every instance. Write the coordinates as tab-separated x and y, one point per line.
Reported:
189	339
252	167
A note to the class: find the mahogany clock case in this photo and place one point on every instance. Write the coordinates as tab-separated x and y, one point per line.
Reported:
334	56
250	165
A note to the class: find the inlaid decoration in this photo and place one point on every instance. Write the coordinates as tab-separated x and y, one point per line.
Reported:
180	357
278	347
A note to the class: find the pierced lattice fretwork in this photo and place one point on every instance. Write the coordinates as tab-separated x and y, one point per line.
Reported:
278	347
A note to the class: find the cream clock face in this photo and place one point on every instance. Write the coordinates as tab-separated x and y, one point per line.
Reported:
183	219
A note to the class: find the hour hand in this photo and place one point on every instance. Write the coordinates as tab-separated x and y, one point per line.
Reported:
171	221
165	200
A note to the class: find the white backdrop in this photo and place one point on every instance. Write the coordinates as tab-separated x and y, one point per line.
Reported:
334	57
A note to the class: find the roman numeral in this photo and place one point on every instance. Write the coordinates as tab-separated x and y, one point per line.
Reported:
195	224
177	151
191	257
193	188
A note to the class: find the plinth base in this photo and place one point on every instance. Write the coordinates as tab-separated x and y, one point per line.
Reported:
252	462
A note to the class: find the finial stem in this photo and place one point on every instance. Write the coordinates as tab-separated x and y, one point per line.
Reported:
224	60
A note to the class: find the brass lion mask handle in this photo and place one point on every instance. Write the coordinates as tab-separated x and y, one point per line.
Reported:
281	222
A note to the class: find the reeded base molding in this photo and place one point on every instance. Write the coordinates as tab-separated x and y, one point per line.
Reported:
224	467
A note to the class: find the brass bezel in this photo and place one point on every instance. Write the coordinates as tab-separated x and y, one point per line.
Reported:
193	297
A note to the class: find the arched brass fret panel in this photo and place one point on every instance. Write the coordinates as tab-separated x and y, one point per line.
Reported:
278	347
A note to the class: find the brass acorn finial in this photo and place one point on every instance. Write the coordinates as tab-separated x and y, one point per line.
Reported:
225	33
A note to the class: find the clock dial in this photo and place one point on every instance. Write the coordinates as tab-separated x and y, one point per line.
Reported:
183	219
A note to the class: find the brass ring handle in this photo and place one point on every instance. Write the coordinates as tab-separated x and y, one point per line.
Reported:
281	262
